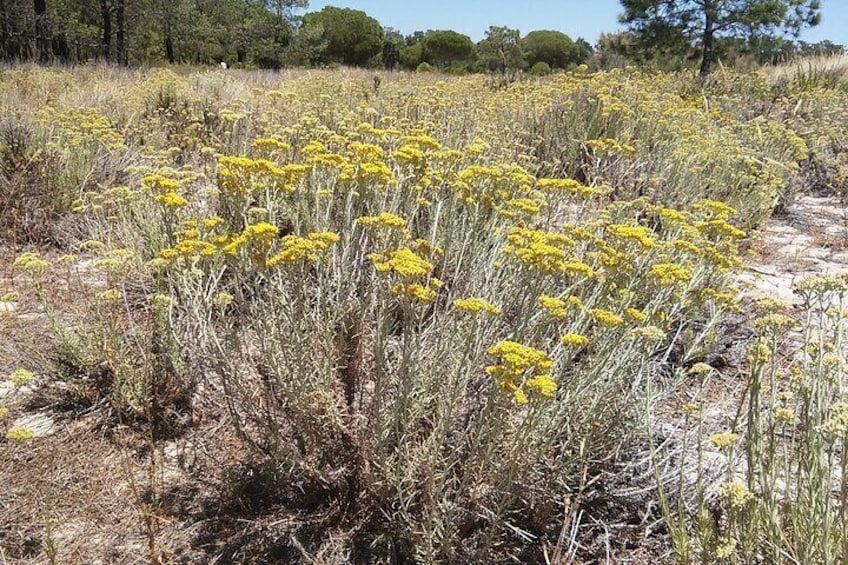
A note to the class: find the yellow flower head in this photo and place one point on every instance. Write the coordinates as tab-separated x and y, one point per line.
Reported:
383	220
111	295
543	385
476	306
223	299
404	262
737	493
521	367
557	307
668	274
19	435
574	340
700	368
605	317
636	315
20	377
630	233
724	439
417	292
171	200
303	249
31	262
543	251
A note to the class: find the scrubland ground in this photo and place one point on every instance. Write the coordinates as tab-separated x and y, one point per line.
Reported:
331	317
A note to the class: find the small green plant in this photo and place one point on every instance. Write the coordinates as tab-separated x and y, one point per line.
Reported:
540	69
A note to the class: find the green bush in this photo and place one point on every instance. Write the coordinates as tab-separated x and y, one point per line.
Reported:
456	68
540	69
424	68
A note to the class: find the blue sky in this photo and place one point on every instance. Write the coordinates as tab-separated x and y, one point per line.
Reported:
577	18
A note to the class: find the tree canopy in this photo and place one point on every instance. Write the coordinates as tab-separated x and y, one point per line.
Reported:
443	47
273	34
666	24
352	36
551	47
501	49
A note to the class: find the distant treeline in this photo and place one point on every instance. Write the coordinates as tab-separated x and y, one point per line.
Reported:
276	33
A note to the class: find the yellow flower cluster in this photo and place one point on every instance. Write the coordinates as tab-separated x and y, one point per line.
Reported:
605	317
404	262
641	235
737	493
259	235
476	306
724	440
19	435
557	307
270	144
30	261
241	175
307	249
383	220
413	270
521	369
574	340
544	251
20	377
668	274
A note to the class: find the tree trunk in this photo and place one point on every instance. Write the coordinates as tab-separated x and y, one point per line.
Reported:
4	30
60	48
42	33
106	43
169	44
709	31
120	33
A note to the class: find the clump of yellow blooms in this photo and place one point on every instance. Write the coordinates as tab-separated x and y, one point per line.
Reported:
20	377
557	307
413	270
635	315
270	144
171	200
700	368
223	299
737	493
836	425
605	317
574	340
404	262
775	323
667	274
543	251
520	369
383	220
476	306
110	295
648	334
307	249
30	261
724	440
19	435
641	235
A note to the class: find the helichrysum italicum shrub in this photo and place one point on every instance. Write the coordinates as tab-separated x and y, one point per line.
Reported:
409	298
401	318
785	460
